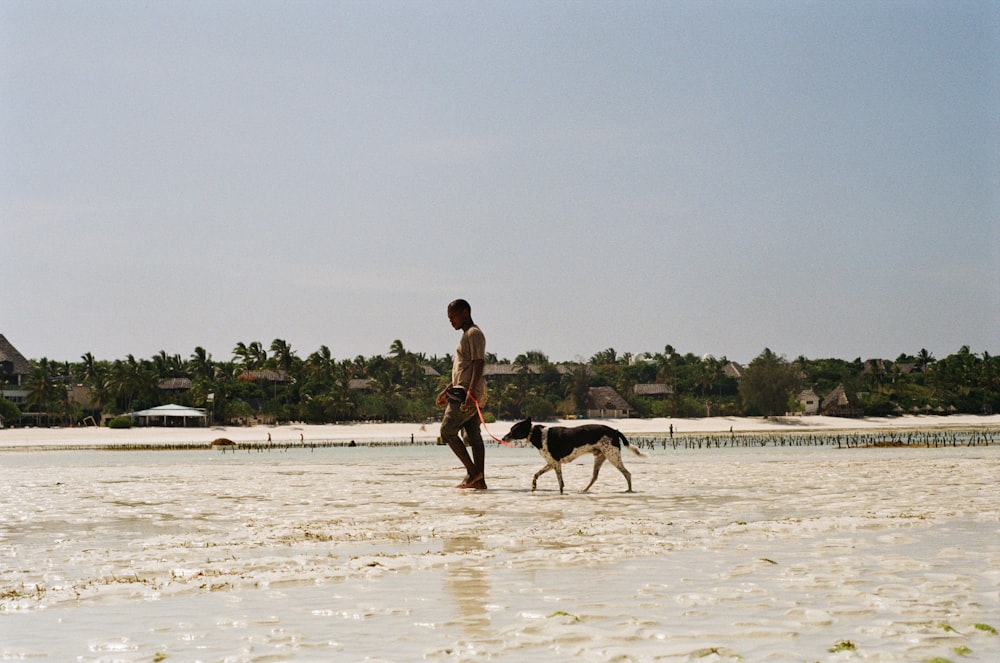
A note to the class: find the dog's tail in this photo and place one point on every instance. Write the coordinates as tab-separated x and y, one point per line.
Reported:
624	441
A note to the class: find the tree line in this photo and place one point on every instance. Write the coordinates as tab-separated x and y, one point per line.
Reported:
276	384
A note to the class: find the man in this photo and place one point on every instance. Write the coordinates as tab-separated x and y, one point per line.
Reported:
461	415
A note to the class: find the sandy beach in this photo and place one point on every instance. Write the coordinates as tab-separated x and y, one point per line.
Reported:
369	553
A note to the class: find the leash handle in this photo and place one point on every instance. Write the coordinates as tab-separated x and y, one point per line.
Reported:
483	422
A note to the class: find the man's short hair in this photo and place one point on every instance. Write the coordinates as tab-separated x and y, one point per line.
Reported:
460	305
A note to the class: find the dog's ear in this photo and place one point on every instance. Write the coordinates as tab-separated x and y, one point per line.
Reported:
528	422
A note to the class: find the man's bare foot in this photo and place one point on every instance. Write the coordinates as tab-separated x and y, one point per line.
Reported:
476	483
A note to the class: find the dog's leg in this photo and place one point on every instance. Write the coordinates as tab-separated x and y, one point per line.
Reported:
598	461
534	481
558	469
616	460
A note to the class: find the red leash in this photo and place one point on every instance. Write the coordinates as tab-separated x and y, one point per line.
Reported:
483	422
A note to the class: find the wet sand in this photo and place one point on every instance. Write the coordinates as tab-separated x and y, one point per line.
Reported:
777	554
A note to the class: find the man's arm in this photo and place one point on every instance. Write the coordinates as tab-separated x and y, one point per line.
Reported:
477	375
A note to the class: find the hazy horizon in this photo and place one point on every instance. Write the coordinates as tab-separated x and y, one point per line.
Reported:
303	353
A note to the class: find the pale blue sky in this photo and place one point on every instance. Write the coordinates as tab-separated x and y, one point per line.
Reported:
817	178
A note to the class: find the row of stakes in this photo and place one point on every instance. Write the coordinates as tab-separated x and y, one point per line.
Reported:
916	439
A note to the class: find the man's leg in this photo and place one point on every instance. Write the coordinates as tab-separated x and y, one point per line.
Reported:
477	477
453	421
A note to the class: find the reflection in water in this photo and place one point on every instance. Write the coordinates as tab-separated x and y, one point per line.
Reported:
467	582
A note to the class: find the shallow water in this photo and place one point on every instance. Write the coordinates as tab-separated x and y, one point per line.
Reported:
370	554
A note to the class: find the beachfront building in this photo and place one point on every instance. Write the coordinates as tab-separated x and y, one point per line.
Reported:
606	403
656	390
14	371
174	387
170	415
268	375
733	370
360	384
837	404
808	401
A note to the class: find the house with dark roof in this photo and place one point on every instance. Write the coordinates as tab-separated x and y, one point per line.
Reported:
837	404
174	386
606	403
907	368
272	375
733	370
14	370
656	390
501	371
13	366
360	384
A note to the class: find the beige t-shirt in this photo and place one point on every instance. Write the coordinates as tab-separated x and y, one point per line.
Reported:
471	346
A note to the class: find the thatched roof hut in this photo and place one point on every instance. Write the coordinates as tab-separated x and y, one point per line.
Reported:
837	404
653	390
605	402
809	401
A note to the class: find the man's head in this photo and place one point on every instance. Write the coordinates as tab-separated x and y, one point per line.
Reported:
459	313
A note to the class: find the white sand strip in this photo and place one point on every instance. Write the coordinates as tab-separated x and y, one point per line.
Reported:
15	438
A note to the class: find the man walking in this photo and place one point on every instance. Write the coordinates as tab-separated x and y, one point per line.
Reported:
459	398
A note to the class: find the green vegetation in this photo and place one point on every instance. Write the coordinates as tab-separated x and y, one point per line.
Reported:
768	384
10	414
561	613
985	628
120	422
843	645
275	384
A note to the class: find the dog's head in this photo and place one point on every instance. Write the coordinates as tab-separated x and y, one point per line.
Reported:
519	431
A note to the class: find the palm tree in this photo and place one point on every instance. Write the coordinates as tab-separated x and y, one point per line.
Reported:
128	380
89	371
578	385
991	374
258	355
45	393
704	377
251	356
283	354
201	364
241	353
321	362
164	365
606	357
924	359
666	363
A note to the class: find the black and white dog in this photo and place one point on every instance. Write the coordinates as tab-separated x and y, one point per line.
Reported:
559	444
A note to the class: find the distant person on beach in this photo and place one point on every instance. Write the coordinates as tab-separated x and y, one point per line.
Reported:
459	398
